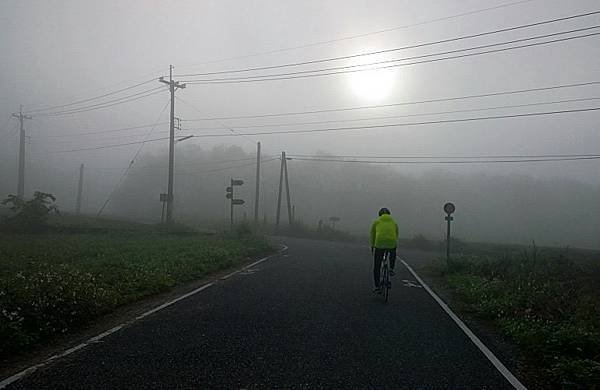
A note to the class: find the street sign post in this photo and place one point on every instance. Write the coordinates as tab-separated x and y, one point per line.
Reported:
449	208
230	195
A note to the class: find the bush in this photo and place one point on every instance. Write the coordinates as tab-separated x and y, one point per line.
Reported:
30	215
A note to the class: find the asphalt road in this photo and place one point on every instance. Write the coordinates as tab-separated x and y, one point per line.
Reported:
303	319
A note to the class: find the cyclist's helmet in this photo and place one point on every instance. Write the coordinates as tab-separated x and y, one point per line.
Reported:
384	210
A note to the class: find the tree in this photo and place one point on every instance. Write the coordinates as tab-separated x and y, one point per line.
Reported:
30	214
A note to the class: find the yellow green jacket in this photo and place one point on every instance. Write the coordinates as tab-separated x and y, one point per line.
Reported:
384	232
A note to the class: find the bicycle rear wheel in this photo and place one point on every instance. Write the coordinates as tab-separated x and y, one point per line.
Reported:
385	283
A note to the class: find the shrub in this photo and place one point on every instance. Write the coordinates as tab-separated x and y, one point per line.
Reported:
29	215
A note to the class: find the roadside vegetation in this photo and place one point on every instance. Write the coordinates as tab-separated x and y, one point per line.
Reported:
56	278
546	300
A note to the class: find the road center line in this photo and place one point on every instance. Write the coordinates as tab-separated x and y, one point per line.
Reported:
29	370
485	350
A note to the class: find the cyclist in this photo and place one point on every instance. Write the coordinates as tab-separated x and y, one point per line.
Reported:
384	237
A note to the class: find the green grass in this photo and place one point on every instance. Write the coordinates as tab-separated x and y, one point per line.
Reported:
54	283
546	301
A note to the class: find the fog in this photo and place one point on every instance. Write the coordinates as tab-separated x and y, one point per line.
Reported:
55	53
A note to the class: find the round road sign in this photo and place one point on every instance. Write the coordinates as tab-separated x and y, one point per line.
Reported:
449	208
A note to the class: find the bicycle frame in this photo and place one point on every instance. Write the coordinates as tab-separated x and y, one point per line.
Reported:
385	283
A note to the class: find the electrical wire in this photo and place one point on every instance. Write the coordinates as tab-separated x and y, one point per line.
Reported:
125	99
453	161
182	164
405	116
444	18
321	122
360	128
49	108
301	75
220	124
367	66
492	156
104	131
420	45
235	166
454	98
132	161
9	133
109	146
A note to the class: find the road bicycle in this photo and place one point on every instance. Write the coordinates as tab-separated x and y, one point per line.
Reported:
384	282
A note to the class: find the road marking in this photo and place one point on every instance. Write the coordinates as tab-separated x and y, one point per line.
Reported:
485	350
411	283
11	379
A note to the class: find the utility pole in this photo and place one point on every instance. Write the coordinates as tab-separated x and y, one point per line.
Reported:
79	191
257	194
287	191
21	177
283	173
173	86
278	215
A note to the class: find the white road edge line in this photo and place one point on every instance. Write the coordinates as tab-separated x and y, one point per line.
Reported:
11	379
485	350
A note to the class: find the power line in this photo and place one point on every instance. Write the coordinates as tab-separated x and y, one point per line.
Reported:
415	157
210	170
104	131
131	163
453	98
367	66
371	118
221	124
3	127
109	146
359	128
92	98
301	74
235	166
453	161
354	128
320	122
463	37
10	133
182	164
444	18
407	115
125	99
533	114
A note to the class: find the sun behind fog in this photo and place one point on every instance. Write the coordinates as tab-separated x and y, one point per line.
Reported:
372	85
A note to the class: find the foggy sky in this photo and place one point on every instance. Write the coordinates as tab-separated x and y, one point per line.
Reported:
54	52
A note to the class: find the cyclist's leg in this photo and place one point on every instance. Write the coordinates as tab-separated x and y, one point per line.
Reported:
377	258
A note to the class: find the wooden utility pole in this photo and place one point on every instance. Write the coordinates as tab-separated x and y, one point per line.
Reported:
287	191
79	191
21	173
257	193
173	86
283	174
278	214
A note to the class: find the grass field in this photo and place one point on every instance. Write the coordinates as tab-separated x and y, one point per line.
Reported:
545	300
54	283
